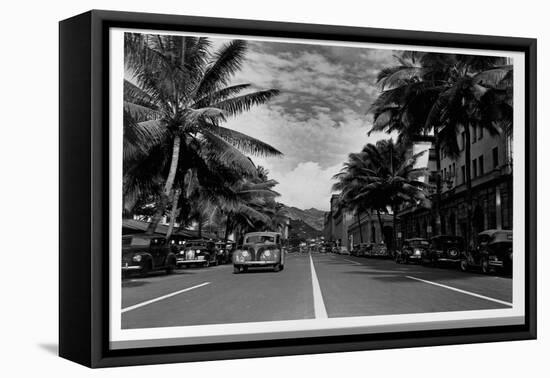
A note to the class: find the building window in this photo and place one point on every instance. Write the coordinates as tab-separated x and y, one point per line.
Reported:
445	174
481	165
495	157
474	168
463	169
480	133
463	135
372	234
474	134
454	170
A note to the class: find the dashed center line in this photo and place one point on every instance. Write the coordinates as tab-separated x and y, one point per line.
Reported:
463	291
130	308
318	303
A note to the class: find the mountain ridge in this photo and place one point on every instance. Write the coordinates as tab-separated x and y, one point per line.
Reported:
312	217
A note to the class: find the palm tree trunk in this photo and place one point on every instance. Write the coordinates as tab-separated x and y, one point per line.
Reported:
359	225
467	163
173	214
394	211
381	226
437	202
227	227
165	195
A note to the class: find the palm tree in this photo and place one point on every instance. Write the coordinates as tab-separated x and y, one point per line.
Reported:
440	93
180	93
379	177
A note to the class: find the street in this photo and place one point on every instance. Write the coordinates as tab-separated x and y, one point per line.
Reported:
311	286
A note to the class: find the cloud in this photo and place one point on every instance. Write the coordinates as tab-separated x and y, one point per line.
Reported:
319	116
308	185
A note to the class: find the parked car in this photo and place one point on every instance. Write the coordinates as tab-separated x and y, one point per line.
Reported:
494	251
343	250
413	250
223	252
445	249
259	249
380	250
198	252
142	254
365	249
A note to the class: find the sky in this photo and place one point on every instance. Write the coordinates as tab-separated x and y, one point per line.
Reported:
319	117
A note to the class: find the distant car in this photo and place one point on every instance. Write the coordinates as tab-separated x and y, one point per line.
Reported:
380	250
413	250
198	252
493	252
142	254
364	249
259	249
445	249
223	252
343	250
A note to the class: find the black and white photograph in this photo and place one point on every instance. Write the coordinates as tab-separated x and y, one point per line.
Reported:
284	183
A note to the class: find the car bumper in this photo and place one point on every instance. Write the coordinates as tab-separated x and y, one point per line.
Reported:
449	260
496	263
256	263
415	257
189	262
131	268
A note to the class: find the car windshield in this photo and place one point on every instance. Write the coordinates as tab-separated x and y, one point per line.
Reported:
259	239
196	245
419	243
446	242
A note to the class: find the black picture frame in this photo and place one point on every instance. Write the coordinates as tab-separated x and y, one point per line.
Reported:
84	199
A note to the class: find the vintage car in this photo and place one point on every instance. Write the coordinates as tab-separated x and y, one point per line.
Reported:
259	249
413	250
197	252
142	254
445	249
380	250
225	249
361	249
494	251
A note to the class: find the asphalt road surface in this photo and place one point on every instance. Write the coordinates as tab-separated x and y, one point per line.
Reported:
311	286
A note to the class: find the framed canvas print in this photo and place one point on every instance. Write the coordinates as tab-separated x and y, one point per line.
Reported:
234	188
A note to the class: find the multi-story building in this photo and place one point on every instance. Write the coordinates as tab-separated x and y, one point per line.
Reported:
336	223
366	228
491	174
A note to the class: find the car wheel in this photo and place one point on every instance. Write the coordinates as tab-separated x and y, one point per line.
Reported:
236	269
464	265
245	269
485	266
277	267
207	264
171	267
146	269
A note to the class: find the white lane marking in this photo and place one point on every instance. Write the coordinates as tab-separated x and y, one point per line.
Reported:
353	262
318	304
463	291
130	308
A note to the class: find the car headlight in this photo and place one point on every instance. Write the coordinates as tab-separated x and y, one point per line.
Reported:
137	258
267	253
244	253
417	251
